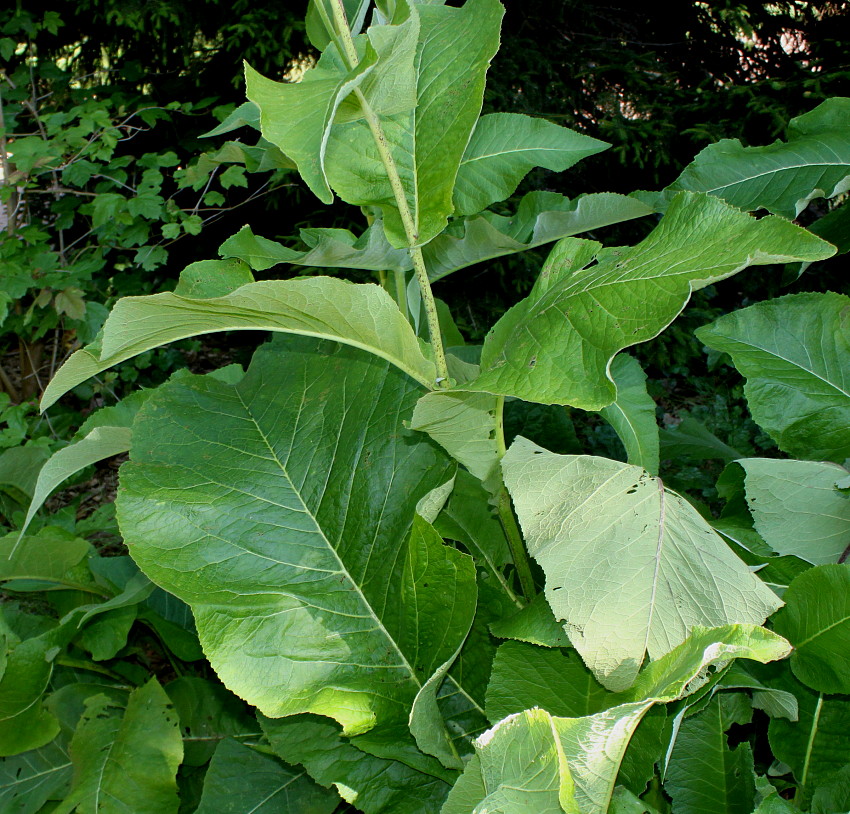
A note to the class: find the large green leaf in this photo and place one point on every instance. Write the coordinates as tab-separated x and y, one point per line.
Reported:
243	781
588	314
705	776
784	176
375	785
795	353
630	567
817	744
280	509
816	620
692	439
363	316
452	53
29	780
504	147
48	560
126	762
797	508
632	415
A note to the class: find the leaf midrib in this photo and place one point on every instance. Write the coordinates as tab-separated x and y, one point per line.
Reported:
342	566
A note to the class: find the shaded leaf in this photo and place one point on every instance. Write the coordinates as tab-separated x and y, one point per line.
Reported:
795	353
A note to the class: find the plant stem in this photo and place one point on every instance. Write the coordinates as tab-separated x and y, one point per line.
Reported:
410	230
401	293
515	541
506	512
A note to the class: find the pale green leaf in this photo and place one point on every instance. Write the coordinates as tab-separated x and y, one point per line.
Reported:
632	414
816	620
782	177
242	781
126	762
297	116
504	147
47	560
212	278
363	316
628	297
99	444
374	785
295	574
817	744
796	508
452	53
630	567
795	353
705	776
246	115
464	424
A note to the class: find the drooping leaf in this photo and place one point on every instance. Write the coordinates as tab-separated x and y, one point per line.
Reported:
299	604
107	634
375	785
334	248
632	414
630	567
363	316
705	776
44	561
99	444
29	780
776	703
797	509
587	315
534	624
504	147
795	353
126	762
453	50
241	780
816	620
782	177
464	424
297	116
817	744
541	217
246	115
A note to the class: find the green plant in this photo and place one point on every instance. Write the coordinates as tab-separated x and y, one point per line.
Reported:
340	516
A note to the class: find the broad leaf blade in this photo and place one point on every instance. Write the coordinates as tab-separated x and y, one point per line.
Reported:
816	620
363	316
242	781
29	780
628	297
295	574
705	776
797	508
781	177
629	566
795	353
129	761
376	785
504	147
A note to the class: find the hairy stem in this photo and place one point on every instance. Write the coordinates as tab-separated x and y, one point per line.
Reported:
410	230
